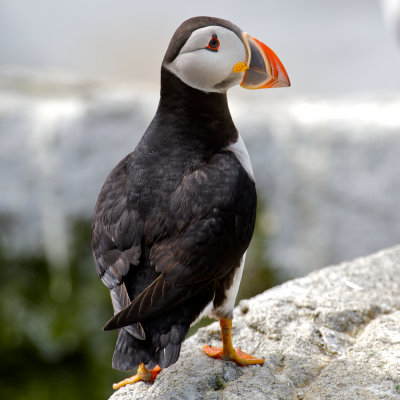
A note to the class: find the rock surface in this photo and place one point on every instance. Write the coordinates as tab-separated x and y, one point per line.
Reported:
334	334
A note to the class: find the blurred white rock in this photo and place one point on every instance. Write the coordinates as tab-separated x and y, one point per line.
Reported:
328	169
391	14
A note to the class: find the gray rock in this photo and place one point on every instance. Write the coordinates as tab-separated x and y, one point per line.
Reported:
334	334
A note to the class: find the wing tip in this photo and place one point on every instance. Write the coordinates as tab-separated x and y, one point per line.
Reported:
112	324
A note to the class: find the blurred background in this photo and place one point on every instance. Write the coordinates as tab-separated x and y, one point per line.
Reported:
79	83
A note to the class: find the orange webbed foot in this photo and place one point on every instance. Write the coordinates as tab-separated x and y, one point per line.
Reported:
237	355
143	374
227	352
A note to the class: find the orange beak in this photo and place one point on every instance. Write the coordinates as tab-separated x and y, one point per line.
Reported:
264	68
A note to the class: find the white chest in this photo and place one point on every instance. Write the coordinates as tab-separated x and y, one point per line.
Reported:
239	150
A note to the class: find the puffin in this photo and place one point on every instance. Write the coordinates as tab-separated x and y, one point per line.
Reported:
175	217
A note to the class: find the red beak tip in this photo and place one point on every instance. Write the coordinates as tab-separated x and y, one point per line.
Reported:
274	75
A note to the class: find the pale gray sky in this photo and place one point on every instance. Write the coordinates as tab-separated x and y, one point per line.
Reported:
327	46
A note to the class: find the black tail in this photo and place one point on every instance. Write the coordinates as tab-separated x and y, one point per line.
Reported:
126	356
164	335
162	347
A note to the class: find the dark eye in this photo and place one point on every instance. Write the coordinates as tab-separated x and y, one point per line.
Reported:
213	44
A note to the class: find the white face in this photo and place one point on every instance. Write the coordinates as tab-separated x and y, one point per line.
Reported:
206	69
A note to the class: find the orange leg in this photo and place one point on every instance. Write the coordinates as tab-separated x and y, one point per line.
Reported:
142	374
228	352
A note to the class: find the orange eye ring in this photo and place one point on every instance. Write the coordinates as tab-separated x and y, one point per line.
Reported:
213	44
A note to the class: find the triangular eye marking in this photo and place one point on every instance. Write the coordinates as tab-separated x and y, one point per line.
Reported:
213	44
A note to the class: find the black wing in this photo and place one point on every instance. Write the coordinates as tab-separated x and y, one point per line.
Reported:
208	223
116	236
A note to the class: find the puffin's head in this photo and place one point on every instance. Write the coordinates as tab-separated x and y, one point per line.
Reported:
212	55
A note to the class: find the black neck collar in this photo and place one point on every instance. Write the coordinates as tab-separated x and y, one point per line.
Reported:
200	116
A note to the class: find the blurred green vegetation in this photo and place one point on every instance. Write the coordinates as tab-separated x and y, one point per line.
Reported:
259	273
51	341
